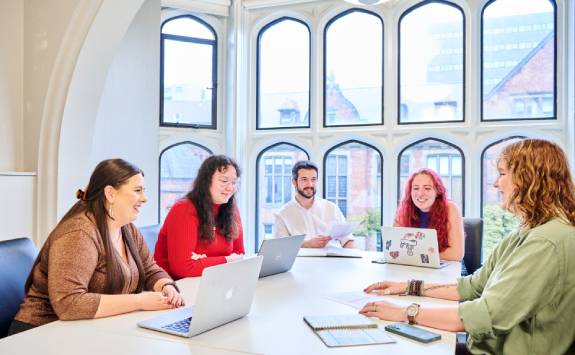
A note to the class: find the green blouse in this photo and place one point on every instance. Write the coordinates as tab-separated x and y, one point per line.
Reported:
522	301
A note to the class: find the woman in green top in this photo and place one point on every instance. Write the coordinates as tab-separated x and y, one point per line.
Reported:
522	301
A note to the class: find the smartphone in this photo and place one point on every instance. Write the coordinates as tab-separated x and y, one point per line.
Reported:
412	332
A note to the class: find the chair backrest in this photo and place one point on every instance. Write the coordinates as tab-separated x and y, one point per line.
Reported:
150	234
16	259
473	242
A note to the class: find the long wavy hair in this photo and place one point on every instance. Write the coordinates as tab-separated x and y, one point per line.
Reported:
543	182
92	203
201	197
407	213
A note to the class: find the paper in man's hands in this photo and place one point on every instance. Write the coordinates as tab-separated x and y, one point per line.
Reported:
340	230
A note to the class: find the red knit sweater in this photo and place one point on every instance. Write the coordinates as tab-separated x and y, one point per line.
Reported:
179	238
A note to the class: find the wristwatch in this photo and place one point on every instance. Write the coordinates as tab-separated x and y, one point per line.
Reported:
412	311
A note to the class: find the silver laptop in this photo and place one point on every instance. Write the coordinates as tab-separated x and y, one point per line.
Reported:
225	294
411	246
279	254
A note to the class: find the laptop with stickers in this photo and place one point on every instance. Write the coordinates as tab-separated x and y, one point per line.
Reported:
411	246
225	294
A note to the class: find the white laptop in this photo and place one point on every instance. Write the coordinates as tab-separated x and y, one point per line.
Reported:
279	254
411	246
225	294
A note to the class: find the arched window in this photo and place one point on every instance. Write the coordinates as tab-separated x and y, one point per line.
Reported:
518	60
353	181
441	156
179	164
432	63
188	82
353	69
283	74
273	184
497	223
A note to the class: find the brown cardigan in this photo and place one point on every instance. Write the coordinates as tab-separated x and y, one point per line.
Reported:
70	275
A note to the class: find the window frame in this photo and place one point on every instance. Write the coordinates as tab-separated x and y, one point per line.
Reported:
258	74
160	168
214	90
363	143
464	69
257	184
324	77
481	59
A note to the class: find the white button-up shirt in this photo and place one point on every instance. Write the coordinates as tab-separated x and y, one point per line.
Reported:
294	219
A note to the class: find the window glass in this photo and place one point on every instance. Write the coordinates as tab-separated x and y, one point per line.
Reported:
179	166
431	64
443	158
518	60
188	74
353	182
274	170
283	75
497	223
353	78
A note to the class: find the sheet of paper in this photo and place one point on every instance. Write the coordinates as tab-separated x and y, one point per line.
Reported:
354	299
340	230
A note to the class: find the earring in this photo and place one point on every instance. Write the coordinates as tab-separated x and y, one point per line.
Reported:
110	214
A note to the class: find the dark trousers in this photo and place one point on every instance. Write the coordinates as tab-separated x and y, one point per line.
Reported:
461	344
17	327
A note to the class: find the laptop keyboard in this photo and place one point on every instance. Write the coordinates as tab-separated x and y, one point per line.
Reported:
182	326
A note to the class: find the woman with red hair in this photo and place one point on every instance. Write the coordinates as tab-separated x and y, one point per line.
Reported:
425	205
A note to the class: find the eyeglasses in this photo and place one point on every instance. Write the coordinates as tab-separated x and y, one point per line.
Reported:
226	182
306	180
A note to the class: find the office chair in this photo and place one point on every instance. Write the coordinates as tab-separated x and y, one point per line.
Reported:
150	234
16	259
473	243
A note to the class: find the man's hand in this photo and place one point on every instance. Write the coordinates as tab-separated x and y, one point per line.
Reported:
318	241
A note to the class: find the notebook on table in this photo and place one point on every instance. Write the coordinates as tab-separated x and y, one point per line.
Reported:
411	246
225	294
279	254
347	330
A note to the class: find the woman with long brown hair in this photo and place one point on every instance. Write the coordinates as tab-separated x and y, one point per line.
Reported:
95	263
204	228
522	300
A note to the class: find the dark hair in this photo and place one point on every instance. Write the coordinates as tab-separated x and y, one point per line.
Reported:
201	197
302	164
407	215
92	202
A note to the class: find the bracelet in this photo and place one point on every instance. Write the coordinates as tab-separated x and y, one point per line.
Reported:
414	288
172	283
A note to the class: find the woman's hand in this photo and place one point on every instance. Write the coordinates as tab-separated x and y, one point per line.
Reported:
384	288
234	257
152	301
173	296
384	310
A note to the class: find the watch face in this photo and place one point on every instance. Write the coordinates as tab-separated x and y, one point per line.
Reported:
412	310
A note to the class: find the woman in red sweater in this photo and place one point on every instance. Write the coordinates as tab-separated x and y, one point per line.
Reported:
204	228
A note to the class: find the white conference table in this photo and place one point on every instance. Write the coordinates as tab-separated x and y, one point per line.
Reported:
274	325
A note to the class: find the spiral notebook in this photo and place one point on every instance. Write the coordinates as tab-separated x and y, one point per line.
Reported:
347	330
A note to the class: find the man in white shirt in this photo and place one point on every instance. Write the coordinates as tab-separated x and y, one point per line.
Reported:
308	214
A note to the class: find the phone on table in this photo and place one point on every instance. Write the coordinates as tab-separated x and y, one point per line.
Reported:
415	333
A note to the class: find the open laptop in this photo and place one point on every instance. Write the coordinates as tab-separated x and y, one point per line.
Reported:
279	254
411	246
225	294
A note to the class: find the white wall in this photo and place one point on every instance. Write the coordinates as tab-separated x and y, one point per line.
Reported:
18	205
127	123
11	89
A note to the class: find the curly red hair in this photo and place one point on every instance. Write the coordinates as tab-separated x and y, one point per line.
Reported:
407	216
